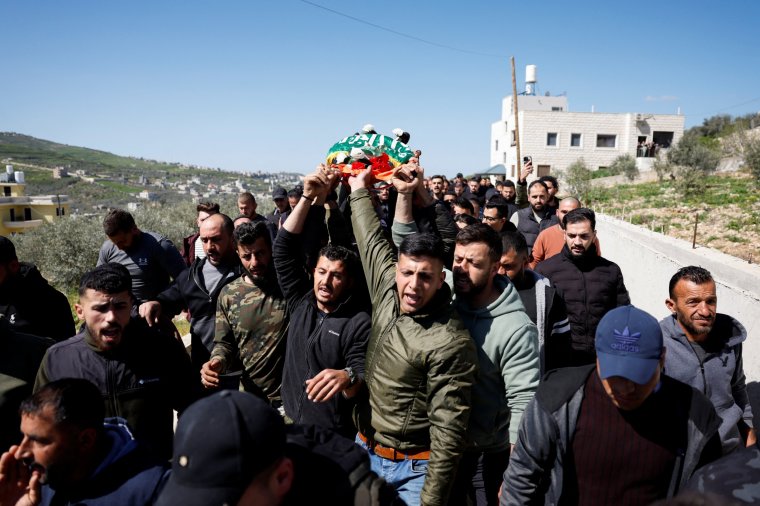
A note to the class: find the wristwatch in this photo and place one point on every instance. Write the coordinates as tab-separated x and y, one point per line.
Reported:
351	376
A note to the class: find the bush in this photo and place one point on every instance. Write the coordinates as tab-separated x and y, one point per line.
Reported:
63	250
690	162
602	172
752	157
626	165
690	152
67	248
174	221
577	179
662	169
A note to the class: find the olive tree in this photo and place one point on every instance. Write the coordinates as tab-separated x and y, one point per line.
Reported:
626	165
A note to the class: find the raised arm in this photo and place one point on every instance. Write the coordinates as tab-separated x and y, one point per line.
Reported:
376	254
287	250
521	188
407	179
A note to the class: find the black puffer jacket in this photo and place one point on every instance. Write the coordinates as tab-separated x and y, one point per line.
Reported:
590	286
316	341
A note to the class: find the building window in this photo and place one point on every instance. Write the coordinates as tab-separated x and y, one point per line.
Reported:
551	139
496	145
57	211
556	109
575	140
512	141
505	158
662	139
606	141
63	211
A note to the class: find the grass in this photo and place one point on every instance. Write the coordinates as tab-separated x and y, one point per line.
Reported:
728	210
121	187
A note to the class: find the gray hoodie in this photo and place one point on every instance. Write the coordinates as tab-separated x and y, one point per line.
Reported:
720	376
507	343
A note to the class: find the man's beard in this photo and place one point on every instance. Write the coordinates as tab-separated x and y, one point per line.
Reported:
691	328
474	289
262	276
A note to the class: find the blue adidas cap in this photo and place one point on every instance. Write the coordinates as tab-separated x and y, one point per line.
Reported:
628	344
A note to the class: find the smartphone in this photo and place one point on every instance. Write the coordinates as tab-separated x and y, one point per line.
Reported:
527	159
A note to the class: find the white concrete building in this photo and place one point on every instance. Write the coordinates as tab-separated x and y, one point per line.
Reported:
555	137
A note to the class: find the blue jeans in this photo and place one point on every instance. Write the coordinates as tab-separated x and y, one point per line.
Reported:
406	476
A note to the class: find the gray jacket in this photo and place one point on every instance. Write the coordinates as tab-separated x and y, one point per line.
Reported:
541	459
720	376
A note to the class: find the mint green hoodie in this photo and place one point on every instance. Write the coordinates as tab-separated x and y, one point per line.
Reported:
507	345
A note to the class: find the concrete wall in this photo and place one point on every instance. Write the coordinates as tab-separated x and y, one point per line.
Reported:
648	260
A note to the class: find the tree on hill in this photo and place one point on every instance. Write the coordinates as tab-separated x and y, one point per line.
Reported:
690	161
626	165
722	125
752	157
577	179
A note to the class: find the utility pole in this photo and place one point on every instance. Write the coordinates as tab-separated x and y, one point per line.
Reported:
518	166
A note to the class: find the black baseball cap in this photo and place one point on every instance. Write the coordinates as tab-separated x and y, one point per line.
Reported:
279	193
222	442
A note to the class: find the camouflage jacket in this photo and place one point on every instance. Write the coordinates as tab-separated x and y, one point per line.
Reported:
733	479
251	325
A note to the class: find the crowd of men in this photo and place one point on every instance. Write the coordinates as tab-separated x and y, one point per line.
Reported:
411	341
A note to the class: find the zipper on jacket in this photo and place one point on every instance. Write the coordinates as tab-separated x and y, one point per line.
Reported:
111	385
701	367
309	346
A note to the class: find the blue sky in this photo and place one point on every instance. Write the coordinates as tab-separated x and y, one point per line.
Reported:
271	85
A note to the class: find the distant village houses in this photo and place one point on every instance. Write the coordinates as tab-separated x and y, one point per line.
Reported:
19	212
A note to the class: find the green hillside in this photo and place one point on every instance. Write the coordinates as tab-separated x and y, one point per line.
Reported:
25	149
113	180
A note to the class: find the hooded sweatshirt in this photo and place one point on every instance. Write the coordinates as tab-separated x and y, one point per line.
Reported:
126	476
507	345
720	375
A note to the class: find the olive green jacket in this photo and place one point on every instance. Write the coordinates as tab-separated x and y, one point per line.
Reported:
420	367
